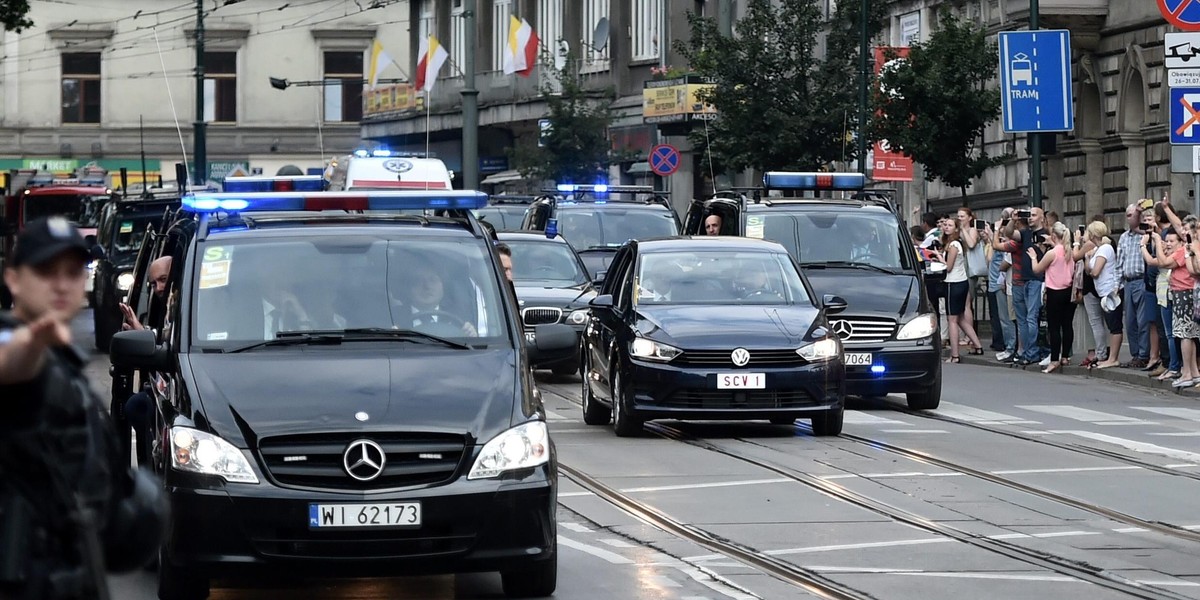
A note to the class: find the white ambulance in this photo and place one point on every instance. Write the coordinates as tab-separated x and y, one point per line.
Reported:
382	170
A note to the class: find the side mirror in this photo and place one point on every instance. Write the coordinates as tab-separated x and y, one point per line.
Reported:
97	252
138	349
598	279
90	240
602	301
834	304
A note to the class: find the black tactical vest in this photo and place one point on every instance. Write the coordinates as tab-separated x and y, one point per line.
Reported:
57	453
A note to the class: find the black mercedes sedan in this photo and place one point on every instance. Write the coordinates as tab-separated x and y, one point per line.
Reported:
716	328
552	286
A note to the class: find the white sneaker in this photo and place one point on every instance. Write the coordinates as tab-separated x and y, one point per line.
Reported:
1003	356
1045	362
1183	383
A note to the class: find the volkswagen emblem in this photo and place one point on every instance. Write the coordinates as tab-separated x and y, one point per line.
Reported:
741	357
398	165
364	460
362	416
842	328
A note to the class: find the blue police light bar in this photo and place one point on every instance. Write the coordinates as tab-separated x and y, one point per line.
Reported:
603	188
290	183
788	180
316	201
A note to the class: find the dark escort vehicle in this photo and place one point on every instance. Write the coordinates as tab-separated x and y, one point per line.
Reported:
597	219
856	247
303	425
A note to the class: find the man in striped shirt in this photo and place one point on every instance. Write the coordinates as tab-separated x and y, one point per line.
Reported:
1131	269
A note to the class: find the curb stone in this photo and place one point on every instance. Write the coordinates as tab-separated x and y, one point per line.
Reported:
1127	376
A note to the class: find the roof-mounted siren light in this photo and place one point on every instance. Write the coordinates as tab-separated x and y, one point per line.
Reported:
319	201
790	180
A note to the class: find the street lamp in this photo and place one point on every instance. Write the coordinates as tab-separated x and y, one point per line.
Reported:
283	84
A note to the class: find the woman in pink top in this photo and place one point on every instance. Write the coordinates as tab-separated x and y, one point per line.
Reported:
1059	266
1174	254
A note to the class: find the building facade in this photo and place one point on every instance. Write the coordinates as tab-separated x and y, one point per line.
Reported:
1119	150
100	85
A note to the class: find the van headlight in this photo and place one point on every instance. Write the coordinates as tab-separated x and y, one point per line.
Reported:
821	350
920	327
578	316
125	281
195	451
523	447
652	350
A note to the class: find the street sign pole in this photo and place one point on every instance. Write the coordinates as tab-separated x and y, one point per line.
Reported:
1035	139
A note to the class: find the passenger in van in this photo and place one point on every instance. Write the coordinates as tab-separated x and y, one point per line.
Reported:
712	225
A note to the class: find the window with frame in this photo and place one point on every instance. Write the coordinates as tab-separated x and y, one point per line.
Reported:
501	10
426	20
343	86
81	87
593	60
220	87
646	16
458	34
550	22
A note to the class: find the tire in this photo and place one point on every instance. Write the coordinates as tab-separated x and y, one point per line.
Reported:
928	399
624	424
783	421
594	413
565	370
828	423
537	581
176	583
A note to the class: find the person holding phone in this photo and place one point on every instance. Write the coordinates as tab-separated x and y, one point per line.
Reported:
1131	270
1004	337
1058	266
1179	256
1167	339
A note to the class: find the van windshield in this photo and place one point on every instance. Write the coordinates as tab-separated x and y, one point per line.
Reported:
831	237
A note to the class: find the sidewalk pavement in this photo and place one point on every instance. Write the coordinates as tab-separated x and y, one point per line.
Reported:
1127	376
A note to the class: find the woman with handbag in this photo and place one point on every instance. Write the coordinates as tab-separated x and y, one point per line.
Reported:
1059	267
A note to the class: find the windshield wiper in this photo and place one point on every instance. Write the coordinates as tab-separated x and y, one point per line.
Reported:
847	264
402	334
294	338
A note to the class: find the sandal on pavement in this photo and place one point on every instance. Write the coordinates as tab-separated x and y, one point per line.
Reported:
1052	368
954	359
1107	365
1168	375
1154	364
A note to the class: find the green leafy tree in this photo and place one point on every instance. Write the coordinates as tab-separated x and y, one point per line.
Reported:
780	105
936	105
13	15
577	147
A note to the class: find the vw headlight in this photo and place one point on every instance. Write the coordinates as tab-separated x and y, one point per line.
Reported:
523	447
821	350
125	281
195	451
578	316
652	350
920	327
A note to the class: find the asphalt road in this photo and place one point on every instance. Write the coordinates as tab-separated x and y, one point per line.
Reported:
1021	485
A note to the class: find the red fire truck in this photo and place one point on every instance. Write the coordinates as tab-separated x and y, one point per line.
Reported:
30	194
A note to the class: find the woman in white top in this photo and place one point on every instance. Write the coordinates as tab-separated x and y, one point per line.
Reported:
957	307
1102	264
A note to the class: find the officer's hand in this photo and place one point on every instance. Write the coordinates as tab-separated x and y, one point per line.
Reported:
48	331
470	330
131	321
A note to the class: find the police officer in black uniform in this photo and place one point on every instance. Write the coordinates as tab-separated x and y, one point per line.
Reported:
71	508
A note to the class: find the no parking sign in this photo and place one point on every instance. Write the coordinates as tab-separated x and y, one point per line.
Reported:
664	159
1184	14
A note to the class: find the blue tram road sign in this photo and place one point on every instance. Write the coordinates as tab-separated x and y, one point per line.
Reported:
1035	81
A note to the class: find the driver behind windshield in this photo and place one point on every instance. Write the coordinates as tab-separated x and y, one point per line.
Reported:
753	282
423	302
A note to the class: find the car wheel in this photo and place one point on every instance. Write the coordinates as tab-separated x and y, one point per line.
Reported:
175	583
538	581
828	423
624	424
783	421
594	413
928	399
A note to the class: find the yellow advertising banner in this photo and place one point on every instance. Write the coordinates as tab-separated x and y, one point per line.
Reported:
676	100
388	99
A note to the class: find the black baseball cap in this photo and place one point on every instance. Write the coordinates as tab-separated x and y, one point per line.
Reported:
45	239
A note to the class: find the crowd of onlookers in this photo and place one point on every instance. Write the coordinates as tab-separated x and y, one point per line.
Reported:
1096	291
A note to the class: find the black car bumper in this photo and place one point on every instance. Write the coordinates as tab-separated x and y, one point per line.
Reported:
688	392
541	359
894	368
467	526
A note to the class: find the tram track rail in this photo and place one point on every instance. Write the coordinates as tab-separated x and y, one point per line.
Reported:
805	578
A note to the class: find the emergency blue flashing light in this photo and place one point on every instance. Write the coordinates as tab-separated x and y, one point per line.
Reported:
599	188
297	183
878	369
361	153
381	152
789	180
552	228
301	201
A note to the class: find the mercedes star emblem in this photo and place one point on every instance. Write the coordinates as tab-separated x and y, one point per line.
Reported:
364	460
740	356
843	329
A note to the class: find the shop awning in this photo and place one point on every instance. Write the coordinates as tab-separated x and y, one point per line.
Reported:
502	177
